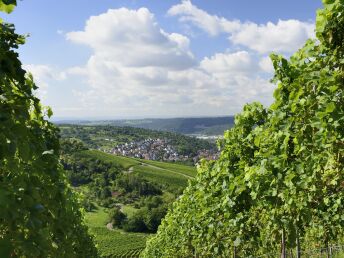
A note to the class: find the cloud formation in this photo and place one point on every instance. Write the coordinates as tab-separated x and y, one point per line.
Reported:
43	75
134	38
136	68
284	36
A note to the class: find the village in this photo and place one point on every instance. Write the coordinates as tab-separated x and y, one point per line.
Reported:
158	149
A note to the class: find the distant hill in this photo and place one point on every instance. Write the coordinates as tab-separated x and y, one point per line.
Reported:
108	137
203	126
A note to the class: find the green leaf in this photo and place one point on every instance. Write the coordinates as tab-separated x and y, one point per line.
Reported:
330	107
49	112
8	8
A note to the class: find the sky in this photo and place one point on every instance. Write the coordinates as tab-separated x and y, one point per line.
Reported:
154	58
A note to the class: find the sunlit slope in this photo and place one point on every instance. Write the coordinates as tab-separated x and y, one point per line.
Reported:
169	174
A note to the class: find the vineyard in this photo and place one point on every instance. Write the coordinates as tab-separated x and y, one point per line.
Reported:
124	162
172	175
113	243
277	188
187	171
157	175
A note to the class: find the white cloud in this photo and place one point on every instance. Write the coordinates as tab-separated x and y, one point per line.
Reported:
42	75
284	36
138	69
134	38
266	65
229	63
212	24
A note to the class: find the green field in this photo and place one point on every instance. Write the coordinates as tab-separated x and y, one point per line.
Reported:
119	160
113	243
182	169
164	177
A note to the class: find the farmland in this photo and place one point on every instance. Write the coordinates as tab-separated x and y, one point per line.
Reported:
113	243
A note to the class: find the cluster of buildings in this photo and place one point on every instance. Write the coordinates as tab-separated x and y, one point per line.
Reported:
158	149
152	149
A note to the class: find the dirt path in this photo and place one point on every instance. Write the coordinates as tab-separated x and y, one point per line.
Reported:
109	226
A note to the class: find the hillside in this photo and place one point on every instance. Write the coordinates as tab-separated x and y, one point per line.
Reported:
141	143
141	190
191	126
277	188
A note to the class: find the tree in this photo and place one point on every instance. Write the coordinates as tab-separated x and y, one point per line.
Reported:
136	222
279	181
117	217
40	215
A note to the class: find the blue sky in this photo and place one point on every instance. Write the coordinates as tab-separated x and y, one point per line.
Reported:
157	58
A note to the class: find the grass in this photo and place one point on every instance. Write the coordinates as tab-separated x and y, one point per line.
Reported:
119	160
96	218
129	210
161	176
182	169
113	243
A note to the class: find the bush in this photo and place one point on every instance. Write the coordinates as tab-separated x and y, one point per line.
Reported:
136	223
153	218
117	217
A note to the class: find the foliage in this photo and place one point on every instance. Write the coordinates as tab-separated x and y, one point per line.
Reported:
70	146
142	187
136	223
148	217
100	169
40	215
83	169
131	183
279	179
117	217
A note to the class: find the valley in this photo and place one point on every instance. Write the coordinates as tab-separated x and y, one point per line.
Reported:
140	190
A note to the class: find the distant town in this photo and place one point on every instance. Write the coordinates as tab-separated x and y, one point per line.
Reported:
158	149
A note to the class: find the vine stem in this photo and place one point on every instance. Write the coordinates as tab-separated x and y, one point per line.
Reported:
298	247
283	250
